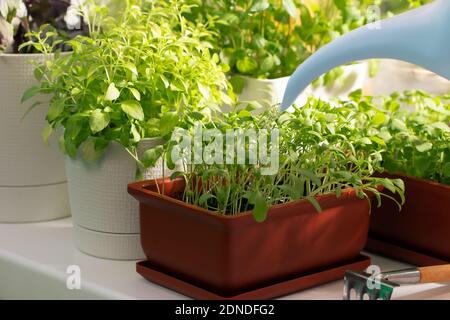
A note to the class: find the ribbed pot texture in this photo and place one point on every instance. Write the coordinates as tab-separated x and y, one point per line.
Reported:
32	175
106	218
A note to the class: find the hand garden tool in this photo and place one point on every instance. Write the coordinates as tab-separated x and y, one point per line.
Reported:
420	36
365	286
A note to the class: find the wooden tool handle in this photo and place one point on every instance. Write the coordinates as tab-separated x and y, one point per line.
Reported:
435	274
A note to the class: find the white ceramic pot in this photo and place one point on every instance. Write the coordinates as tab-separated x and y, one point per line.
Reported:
399	76
106	217
32	176
353	78
269	92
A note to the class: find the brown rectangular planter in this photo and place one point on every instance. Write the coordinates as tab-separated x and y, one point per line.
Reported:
421	228
232	254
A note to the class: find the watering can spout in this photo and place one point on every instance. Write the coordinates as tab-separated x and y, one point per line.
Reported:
420	36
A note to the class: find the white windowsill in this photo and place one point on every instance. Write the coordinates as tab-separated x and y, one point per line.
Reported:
34	259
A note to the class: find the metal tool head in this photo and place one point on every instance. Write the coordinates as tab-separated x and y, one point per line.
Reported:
364	286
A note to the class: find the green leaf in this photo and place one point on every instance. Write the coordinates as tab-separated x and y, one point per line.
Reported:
31	108
55	110
446	170
70	148
378	141
169	160
259	41
356	95
39	73
230	18
399	183
399	125
98	121
46	133
424	147
299	185
176	174
253	105
206	93
130	66
29	93
441	126
305	17
89	152
267	64
238	84
377	196
338	192
345	175
311	176
138	174
385	135
173	86
204	198
165	81
290	8
101	144
74	125
293	193
250	196
133	109
261	208
135	93
389	184
379	118
360	194
151	156
168	122
341	4
136	136
75	91
112	93
260	5
422	164
244	114
315	203
365	141
247	65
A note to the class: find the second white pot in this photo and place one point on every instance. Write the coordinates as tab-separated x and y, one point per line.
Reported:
32	177
106	218
399	76
270	92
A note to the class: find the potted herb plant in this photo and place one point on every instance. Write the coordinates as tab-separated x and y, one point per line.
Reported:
228	225
29	169
122	91
418	151
264	41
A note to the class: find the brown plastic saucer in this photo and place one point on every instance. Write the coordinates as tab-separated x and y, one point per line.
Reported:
302	282
402	253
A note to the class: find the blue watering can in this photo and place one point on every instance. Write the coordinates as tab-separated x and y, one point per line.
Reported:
420	36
